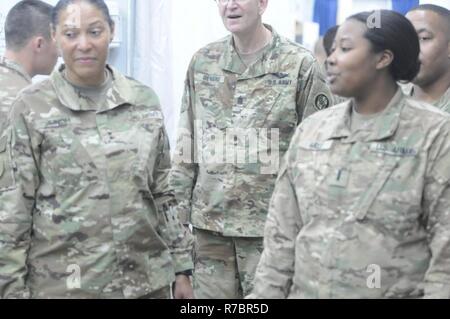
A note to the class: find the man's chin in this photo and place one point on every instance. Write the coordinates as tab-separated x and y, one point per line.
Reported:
419	81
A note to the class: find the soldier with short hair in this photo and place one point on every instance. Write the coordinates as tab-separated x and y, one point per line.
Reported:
244	97
30	50
432	84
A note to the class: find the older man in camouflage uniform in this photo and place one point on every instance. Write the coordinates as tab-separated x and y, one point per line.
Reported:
30	50
244	97
86	210
432	85
365	213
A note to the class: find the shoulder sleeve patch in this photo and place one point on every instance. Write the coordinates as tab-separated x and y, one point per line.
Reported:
321	102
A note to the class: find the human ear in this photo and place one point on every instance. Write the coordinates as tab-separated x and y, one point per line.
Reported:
385	60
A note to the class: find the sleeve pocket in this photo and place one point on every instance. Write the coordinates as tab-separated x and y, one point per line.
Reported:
6	172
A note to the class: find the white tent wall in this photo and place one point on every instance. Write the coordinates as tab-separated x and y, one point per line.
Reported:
153	54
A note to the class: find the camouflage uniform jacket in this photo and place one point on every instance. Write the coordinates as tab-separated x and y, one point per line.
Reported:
443	103
12	80
85	187
256	111
362	215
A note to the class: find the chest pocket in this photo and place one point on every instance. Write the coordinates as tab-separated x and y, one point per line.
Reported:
258	109
365	201
267	101
309	173
312	153
6	170
392	183
64	158
352	178
213	99
279	101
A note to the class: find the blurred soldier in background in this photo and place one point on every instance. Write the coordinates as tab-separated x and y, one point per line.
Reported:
432	85
319	52
30	50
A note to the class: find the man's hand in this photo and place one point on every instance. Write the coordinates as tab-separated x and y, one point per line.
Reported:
183	288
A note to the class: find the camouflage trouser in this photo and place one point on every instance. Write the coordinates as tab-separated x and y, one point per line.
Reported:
224	266
163	293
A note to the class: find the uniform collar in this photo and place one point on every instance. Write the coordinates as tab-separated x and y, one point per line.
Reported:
231	62
385	126
120	93
15	67
407	88
444	102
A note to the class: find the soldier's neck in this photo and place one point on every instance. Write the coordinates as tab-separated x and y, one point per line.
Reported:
434	91
253	41
21	58
376	97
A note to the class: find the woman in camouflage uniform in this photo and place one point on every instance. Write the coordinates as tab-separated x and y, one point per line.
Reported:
361	208
85	206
